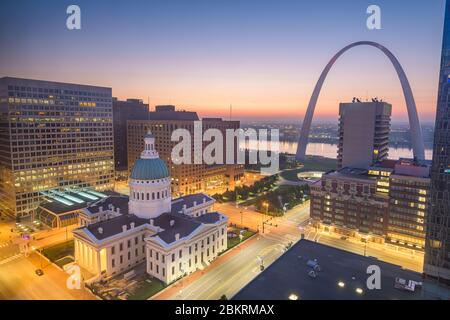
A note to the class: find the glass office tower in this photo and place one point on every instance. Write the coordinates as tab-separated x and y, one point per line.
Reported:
53	136
437	253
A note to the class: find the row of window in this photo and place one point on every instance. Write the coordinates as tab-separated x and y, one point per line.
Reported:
147	195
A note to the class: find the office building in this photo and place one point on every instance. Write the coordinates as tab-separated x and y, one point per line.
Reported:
130	109
363	133
52	136
174	237
186	178
437	253
384	203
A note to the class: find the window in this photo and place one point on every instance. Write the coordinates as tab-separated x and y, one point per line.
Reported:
173	257
129	244
129	255
180	253
151	253
113	263
136	240
113	250
121	259
173	270
121	247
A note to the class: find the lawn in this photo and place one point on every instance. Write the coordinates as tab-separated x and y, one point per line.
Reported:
232	242
59	251
63	261
147	289
312	163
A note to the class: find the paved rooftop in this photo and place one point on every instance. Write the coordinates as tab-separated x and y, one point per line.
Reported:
289	274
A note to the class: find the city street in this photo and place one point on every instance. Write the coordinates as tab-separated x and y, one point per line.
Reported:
252	219
406	258
228	276
18	281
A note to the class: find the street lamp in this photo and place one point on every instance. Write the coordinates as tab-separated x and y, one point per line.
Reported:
293	296
261	262
266	205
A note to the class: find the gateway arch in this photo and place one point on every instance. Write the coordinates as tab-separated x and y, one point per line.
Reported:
416	131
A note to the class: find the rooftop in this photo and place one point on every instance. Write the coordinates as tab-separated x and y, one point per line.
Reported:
168	112
182	224
61	202
188	200
289	275
117	201
114	225
149	169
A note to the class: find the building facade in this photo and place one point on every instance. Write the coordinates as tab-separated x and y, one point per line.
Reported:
363	133
174	237
186	178
387	202
130	109
437	254
52	136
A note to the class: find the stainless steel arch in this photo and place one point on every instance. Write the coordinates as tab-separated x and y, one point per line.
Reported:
416	131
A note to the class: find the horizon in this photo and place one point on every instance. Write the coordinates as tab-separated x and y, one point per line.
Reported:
262	59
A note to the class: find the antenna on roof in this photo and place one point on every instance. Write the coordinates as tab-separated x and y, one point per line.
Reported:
148	108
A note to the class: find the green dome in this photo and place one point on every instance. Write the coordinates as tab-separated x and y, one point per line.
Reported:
149	169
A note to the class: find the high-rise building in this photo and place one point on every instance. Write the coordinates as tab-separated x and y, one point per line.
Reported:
131	109
363	133
52	136
186	178
386	202
437	253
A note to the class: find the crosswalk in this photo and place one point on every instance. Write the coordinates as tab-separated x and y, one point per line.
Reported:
4	244
281	238
10	259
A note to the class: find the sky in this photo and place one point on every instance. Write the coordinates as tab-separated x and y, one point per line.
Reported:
263	57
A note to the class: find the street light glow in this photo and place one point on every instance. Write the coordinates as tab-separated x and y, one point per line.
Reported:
293	296
359	290
341	284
